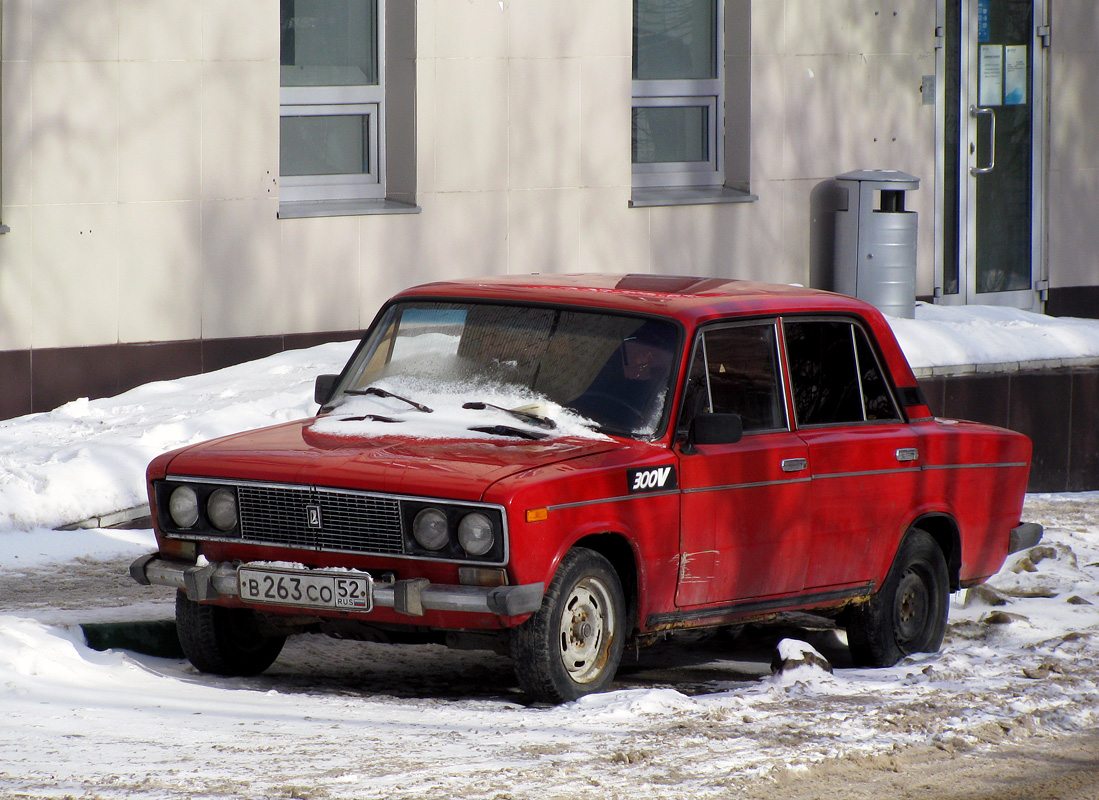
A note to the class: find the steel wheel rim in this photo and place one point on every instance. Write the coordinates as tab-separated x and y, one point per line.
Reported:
911	610
587	625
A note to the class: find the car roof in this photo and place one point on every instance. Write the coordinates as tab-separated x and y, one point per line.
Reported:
692	299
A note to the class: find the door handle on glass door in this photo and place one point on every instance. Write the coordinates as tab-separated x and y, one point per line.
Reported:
977	111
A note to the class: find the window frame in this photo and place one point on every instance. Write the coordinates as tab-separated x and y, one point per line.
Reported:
708	92
681	173
854	324
699	343
347	100
339	186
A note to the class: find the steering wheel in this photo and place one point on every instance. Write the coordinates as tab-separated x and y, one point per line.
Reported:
607	408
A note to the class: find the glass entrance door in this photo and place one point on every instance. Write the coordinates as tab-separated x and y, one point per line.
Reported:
992	167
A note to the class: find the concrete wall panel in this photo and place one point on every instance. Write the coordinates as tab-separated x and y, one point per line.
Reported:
244	288
471	142
321	264
16	281
544	137
74	132
74	289
240	134
159	145
159	271
159	30
544	231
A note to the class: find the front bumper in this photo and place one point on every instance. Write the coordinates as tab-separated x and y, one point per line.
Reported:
411	597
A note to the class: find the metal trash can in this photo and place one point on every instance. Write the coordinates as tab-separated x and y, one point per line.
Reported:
876	241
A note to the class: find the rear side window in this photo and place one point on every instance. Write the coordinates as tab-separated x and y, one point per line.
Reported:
734	370
835	375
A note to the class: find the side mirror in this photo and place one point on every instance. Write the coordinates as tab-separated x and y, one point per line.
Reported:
714	429
323	388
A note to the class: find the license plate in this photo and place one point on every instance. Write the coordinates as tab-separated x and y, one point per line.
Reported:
307	588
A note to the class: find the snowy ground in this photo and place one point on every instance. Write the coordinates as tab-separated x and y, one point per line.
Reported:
688	719
694	717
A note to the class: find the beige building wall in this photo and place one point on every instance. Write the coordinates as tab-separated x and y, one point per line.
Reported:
141	159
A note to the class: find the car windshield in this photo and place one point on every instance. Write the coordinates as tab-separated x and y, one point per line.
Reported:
613	370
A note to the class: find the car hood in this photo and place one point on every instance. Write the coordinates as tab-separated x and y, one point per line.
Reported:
294	452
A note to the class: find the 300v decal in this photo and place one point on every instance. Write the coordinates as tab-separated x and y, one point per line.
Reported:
651	479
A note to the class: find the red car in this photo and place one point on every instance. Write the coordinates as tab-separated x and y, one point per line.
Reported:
556	466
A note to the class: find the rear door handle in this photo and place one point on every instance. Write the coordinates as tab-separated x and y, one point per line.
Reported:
908	454
794	464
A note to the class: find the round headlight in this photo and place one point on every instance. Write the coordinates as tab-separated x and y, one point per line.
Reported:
183	507
430	529
475	534
221	508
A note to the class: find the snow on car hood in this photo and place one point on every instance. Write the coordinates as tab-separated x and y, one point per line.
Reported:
306	452
467	414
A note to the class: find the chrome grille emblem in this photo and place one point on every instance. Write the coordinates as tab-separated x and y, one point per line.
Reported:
313	516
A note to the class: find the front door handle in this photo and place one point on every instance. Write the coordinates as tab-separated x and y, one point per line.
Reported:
794	464
908	454
975	112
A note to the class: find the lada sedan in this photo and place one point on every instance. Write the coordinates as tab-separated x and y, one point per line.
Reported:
558	466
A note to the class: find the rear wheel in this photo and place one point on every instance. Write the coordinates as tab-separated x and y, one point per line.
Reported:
572	645
908	614
225	641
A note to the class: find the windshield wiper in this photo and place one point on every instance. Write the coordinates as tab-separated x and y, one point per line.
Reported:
507	430
525	416
374	390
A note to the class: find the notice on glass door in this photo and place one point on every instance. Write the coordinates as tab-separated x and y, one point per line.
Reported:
991	91
1015	74
984	21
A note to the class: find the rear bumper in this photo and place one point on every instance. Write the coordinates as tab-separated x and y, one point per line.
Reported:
1026	535
411	597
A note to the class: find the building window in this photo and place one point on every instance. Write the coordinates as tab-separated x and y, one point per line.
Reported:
332	145
678	93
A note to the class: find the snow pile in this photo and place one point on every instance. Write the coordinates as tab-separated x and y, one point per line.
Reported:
88	458
943	336
796	662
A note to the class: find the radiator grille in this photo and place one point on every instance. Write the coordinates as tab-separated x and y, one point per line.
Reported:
350	522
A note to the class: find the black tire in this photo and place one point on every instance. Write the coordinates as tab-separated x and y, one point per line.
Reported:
572	645
224	641
908	614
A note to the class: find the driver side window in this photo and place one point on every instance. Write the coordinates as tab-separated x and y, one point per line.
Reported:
734	370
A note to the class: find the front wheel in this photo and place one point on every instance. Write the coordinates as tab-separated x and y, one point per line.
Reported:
908	614
224	641
573	644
